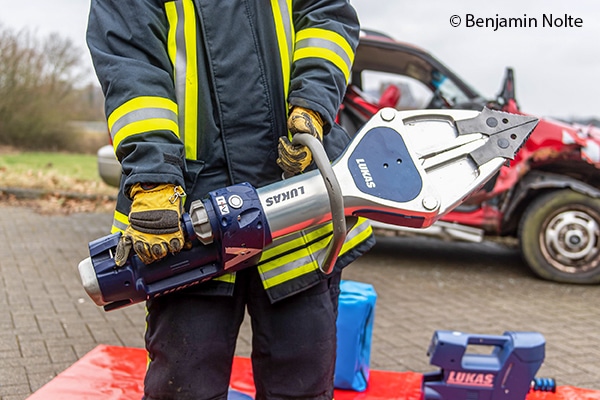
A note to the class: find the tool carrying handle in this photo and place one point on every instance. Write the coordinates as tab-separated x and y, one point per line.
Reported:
336	199
471	359
488	340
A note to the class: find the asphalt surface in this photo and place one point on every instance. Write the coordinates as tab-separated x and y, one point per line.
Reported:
47	322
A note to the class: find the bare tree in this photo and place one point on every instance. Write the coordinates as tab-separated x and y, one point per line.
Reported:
37	89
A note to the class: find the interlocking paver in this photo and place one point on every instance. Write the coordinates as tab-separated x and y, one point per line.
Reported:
47	321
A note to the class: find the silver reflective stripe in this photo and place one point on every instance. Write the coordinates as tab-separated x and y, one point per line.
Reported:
356	230
287	25
141	115
317	255
277	248
359	233
284	29
287	267
119	225
325	44
180	68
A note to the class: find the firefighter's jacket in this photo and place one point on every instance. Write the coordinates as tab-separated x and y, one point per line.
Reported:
197	94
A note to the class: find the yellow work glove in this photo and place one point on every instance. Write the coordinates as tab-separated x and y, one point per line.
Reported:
293	159
154	223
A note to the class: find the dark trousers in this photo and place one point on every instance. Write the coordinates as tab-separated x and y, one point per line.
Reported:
191	341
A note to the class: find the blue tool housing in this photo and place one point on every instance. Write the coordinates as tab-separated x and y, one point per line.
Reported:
470	374
240	232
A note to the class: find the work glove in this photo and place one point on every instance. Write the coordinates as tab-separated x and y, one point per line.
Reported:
154	223
294	159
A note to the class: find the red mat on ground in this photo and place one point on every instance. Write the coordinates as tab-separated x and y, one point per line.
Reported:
117	373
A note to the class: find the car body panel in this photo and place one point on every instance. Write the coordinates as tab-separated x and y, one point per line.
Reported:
557	155
109	168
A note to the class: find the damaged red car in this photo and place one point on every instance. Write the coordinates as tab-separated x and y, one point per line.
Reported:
549	196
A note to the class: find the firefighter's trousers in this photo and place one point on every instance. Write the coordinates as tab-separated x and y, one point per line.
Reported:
191	342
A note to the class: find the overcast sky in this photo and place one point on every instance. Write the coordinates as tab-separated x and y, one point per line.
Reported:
556	68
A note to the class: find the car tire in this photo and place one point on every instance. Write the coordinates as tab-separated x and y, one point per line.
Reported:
559	235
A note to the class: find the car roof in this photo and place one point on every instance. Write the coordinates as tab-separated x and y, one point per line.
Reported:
380	52
369	35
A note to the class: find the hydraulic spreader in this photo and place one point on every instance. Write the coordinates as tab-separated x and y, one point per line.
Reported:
404	168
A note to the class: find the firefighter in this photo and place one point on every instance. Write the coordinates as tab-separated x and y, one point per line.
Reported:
202	94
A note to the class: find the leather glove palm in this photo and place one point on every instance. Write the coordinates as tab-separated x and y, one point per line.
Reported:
294	159
154	224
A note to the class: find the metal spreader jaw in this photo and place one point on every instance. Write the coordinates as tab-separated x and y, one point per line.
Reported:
410	168
406	168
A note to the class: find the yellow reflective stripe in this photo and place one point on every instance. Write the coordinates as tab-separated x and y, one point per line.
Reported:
120	222
282	15
182	49
279	270
335	48
303	261
326	55
148	358
300	254
357	237
172	17
135	128
227	278
291	274
138	115
334	37
293	241
191	78
139	103
302	257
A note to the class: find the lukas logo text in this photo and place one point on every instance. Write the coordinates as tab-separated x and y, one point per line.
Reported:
470	379
284	196
366	174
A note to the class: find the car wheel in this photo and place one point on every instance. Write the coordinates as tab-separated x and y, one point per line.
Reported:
559	236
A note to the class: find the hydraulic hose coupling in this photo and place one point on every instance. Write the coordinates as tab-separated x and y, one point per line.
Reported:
543	385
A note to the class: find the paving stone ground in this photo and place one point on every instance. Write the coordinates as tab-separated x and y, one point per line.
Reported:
47	322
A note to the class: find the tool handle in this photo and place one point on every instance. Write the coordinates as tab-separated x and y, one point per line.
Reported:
488	340
336	199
